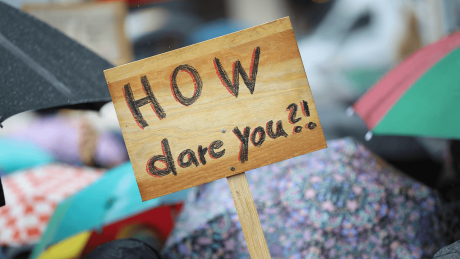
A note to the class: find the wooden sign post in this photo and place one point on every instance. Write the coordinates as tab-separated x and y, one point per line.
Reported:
217	109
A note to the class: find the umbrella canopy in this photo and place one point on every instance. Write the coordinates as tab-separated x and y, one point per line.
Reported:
420	96
19	155
113	197
342	201
43	68
129	248
2	195
451	251
33	194
71	247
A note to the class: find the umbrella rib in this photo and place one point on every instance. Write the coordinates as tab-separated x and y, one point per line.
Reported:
40	70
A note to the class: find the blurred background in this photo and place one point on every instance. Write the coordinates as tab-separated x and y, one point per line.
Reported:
346	47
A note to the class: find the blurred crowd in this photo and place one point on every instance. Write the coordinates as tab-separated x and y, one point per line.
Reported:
346	46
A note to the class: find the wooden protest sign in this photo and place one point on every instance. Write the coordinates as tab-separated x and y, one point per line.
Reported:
217	109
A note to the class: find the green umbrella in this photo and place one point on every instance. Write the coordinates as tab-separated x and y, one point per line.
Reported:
419	97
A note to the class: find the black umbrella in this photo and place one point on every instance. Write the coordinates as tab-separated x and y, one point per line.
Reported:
2	196
129	248
451	251
42	68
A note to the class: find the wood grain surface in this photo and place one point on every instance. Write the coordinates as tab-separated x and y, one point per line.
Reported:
249	219
217	113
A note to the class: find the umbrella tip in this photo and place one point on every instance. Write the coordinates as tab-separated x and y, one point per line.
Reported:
1	126
350	111
368	136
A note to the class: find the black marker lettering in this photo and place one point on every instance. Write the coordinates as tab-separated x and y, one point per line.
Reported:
166	158
201	152
196	79
233	86
135	104
293	112
297	129
279	130
244	139
191	158
259	131
216	145
311	125
305	109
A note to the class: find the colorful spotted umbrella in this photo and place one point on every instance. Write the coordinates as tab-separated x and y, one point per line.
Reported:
339	202
419	97
32	196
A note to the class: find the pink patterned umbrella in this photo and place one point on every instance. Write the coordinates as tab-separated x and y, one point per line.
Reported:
33	194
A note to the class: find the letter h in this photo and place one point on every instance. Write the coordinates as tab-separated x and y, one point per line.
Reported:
134	105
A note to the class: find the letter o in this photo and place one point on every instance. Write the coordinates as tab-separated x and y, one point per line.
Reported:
196	79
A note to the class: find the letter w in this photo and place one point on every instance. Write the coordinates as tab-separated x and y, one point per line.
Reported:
134	105
233	86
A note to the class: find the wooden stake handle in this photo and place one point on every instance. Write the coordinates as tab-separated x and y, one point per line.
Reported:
248	216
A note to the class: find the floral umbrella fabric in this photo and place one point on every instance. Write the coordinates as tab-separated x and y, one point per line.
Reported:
341	202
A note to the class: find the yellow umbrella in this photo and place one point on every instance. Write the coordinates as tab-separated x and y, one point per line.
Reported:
69	248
